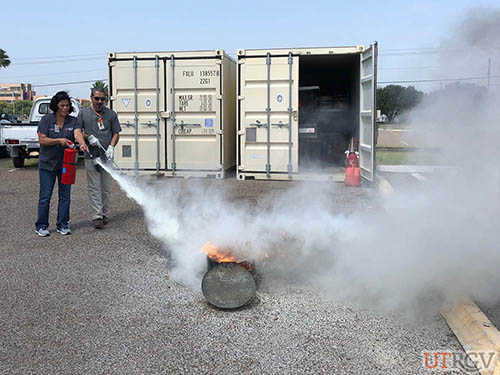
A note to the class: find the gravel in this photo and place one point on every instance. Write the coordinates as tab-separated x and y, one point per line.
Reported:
103	302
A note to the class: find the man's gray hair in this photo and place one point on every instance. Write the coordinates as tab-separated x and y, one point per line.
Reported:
93	90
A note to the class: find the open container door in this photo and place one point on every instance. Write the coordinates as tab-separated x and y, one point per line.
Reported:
367	112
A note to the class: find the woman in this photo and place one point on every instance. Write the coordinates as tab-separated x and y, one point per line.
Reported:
55	133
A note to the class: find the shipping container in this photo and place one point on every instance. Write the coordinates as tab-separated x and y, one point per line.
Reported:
300	109
177	111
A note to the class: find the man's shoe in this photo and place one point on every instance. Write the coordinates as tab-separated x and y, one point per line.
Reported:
98	224
64	231
105	220
42	232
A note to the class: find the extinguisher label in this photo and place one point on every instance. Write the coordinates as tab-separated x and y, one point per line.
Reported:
64	170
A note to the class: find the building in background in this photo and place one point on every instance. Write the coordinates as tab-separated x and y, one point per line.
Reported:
16	91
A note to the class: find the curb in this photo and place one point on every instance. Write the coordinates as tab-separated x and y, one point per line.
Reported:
475	332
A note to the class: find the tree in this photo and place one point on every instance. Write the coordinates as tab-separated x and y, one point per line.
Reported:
4	59
393	100
21	108
101	85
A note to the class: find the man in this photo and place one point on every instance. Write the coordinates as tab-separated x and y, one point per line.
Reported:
102	123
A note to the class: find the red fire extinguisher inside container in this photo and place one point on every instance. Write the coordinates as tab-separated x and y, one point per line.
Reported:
352	172
69	166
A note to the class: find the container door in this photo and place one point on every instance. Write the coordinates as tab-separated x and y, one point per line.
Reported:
268	121
367	112
137	98
194	103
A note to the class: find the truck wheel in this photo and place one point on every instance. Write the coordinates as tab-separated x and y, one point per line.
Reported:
18	161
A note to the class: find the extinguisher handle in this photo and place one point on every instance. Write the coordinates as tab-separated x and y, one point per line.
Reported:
71	144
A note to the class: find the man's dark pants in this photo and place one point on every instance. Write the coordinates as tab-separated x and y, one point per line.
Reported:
47	182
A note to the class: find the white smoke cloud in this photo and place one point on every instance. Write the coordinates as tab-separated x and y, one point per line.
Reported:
415	251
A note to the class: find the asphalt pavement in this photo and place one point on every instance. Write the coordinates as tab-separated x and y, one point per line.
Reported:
103	301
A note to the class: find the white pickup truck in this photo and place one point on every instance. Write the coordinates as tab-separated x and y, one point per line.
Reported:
21	139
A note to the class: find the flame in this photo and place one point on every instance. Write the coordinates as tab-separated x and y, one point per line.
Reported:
223	255
219	255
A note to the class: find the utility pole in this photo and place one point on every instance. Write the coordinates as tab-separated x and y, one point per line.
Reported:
23	87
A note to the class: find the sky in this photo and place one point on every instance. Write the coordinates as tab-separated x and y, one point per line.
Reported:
61	42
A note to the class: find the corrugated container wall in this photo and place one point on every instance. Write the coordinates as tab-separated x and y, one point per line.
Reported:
177	111
300	109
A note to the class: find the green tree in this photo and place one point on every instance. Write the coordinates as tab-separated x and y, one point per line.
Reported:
101	85
4	59
20	108
393	100
7	108
23	107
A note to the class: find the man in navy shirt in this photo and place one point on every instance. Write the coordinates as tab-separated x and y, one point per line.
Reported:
55	133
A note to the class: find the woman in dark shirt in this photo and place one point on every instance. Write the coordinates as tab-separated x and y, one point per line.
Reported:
55	133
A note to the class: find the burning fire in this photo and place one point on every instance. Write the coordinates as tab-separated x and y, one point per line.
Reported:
219	255
223	255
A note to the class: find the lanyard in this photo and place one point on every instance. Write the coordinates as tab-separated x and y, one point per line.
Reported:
99	117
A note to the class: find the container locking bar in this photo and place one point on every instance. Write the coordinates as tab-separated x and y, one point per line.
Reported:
127	124
268	111
172	117
157	67
136	119
150	124
290	63
258	124
281	124
182	124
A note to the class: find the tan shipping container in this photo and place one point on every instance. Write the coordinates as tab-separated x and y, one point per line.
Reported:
299	110
177	111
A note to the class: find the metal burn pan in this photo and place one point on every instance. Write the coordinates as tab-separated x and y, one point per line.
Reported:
228	285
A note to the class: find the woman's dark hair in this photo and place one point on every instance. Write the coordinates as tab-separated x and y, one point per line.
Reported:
61	95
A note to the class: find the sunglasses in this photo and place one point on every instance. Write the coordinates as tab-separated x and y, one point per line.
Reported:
99	98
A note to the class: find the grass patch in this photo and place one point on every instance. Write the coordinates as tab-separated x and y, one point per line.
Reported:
418	157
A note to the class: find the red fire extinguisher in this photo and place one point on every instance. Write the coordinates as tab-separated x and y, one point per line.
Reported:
69	165
352	173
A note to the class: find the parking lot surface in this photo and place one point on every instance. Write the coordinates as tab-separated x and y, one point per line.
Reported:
104	301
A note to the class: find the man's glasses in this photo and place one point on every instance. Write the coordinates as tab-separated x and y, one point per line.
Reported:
99	98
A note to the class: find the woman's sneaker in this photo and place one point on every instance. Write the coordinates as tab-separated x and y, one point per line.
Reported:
42	232
64	231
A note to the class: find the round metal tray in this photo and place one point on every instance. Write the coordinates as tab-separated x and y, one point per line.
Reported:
228	286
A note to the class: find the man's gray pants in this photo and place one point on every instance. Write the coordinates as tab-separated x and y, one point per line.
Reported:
99	186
